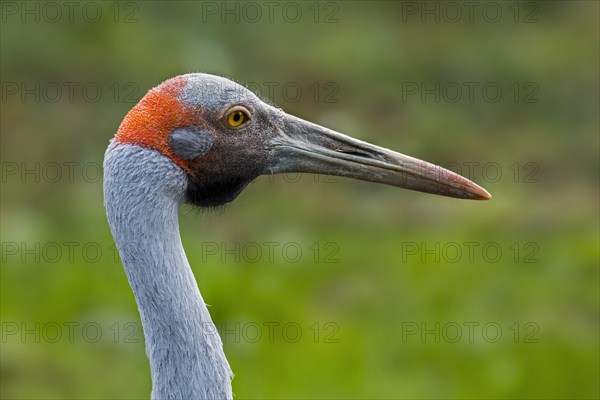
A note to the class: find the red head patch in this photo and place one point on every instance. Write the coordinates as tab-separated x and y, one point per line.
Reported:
149	123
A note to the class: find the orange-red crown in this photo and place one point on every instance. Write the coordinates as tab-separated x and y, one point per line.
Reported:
149	123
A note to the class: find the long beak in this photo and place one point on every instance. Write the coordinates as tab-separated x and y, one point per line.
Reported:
302	146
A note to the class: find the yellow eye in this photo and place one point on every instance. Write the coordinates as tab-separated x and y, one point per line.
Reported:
236	118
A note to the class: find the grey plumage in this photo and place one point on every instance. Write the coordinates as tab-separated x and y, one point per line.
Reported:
143	190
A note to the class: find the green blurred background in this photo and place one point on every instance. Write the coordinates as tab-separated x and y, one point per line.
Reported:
385	300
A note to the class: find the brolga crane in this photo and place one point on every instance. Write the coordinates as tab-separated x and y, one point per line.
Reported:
200	139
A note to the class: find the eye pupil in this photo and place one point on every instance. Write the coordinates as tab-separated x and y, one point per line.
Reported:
236	118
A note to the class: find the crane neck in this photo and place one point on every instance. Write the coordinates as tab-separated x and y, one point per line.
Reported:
143	190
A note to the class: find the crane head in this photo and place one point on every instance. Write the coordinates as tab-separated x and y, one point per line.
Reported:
223	136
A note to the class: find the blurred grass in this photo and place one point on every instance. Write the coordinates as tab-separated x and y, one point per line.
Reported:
375	289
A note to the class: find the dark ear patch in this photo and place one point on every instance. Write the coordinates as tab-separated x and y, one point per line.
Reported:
190	142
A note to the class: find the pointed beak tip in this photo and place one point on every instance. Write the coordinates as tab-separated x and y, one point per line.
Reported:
483	194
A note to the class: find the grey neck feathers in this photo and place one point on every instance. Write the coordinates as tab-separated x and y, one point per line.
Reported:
142	193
